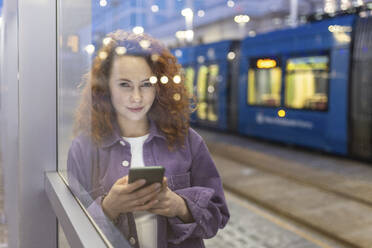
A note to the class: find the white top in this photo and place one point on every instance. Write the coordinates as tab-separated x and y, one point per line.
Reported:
146	222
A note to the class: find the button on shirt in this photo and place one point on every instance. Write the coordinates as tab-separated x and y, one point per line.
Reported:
93	169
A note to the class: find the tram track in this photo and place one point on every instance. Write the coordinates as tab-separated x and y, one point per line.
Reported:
273	168
264	164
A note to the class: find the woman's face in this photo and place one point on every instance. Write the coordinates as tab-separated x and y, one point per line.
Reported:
132	94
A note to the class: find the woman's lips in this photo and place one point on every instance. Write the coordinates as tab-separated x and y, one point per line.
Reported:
135	109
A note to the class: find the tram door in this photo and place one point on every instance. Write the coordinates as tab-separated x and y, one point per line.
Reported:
361	91
207	93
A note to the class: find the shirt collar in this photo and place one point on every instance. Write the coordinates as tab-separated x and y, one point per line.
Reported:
116	137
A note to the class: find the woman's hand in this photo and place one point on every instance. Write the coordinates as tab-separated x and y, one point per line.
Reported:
171	205
123	197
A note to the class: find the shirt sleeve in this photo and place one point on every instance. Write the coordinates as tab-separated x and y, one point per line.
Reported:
79	173
205	200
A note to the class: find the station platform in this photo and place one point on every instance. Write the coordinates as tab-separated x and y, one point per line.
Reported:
328	198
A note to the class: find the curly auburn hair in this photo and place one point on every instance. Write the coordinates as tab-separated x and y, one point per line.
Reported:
171	109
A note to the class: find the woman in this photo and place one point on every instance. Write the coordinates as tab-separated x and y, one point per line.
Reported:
134	112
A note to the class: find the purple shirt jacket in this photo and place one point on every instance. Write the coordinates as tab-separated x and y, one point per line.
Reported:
191	173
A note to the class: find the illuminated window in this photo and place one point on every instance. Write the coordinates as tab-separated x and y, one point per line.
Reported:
189	80
306	83
264	82
207	93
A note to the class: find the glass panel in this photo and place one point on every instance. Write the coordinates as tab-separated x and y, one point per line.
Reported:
62	240
307	83
123	104
264	82
75	49
207	93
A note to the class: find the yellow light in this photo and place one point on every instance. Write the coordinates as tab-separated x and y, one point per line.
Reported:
230	4
145	44
181	34
153	79
177	79
90	48
103	3
155	57
339	29
252	33
201	13
210	89
120	50
281	113
106	41
164	79
102	55
154	8
231	55
241	19
266	63
138	30
177	97
189	35
187	12
178	53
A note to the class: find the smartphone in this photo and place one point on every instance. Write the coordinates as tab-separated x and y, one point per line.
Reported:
152	174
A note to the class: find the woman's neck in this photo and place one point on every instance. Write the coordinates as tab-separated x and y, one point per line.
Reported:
134	128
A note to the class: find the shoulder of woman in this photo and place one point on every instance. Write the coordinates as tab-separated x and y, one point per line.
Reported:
194	136
194	139
81	143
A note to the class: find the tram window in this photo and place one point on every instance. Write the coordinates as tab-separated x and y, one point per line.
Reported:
264	82
207	92
189	79
306	83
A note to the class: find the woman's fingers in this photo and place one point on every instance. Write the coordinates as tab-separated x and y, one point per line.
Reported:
145	198
147	190
165	182
159	211
146	206
122	180
129	188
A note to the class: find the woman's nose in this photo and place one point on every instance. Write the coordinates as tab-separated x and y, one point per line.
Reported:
136	95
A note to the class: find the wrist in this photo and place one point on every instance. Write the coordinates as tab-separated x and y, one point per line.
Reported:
107	211
183	211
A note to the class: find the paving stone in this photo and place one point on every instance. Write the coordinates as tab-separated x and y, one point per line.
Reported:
248	229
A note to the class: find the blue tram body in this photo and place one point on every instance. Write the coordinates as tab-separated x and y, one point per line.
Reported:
308	86
324	129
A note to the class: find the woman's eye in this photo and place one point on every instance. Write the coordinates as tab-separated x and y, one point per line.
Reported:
124	84
147	84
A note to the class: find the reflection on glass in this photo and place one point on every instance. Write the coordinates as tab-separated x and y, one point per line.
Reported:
62	240
307	83
126	119
264	82
207	93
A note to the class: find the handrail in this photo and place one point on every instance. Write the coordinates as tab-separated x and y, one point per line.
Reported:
76	225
